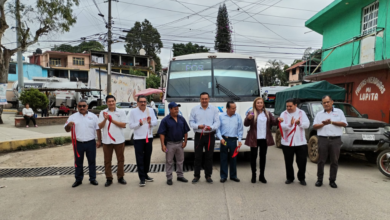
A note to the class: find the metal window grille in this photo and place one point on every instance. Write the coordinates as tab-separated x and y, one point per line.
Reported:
370	18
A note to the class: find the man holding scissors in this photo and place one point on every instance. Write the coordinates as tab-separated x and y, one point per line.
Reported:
142	120
205	121
112	121
173	129
230	130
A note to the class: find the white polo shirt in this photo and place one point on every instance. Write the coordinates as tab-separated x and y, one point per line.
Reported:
86	126
330	130
140	132
115	131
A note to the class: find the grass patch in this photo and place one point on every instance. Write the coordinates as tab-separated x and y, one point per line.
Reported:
32	147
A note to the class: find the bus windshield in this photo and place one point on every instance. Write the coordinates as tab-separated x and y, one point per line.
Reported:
218	77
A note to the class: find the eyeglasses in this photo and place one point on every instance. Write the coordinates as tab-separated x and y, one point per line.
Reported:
142	101
82	106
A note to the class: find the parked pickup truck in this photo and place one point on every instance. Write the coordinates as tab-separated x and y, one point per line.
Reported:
362	135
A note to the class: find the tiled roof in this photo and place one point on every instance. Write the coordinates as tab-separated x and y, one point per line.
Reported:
296	65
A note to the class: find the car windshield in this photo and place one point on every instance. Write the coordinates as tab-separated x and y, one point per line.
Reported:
218	77
349	110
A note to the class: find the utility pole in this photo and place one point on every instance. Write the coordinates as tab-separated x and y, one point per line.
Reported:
109	50
19	53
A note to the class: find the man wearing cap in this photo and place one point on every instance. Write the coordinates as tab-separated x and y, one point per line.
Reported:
204	120
173	129
112	121
229	132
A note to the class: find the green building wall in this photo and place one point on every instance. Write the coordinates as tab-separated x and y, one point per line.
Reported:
347	25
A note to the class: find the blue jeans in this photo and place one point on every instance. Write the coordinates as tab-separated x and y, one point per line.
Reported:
225	156
90	150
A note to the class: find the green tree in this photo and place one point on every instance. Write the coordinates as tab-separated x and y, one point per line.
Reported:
136	72
144	36
273	74
189	48
153	81
49	16
223	38
84	46
35	98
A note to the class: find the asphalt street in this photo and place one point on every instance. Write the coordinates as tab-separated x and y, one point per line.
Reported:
363	193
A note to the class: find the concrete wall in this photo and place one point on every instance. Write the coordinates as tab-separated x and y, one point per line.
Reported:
370	93
294	77
344	27
29	71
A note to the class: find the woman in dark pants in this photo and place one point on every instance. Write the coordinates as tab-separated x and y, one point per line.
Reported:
259	135
28	114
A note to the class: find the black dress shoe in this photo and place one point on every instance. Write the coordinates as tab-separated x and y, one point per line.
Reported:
148	179
302	182
289	181
182	179
262	179
108	183
142	183
122	181
319	183
94	182
253	178
235	179
209	180
223	180
333	184
195	180
169	182
76	184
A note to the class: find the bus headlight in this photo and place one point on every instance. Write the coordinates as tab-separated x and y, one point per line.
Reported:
387	128
344	130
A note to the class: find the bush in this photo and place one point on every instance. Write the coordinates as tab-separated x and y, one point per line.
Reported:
59	141
67	140
35	98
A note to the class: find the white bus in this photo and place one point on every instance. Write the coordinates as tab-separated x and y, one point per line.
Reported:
225	76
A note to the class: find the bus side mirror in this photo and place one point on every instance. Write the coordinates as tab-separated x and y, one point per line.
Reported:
365	116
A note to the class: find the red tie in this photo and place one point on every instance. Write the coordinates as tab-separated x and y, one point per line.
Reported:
74	142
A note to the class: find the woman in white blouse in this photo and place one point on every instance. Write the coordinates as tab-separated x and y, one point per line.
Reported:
28	115
294	122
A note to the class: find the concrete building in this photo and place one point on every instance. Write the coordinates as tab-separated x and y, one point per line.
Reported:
122	63
73	66
355	53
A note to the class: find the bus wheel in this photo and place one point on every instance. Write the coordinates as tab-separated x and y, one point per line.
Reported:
312	148
278	139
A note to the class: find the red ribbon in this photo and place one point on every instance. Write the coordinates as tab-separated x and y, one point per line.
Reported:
108	130
74	142
281	130
147	134
236	152
292	131
201	134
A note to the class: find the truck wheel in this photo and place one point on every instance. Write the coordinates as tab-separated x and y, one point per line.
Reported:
93	104
312	148
278	139
131	142
383	162
371	156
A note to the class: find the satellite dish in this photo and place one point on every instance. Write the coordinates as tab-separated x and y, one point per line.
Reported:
306	54
142	52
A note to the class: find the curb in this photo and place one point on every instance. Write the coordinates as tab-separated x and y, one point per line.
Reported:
10	111
9	146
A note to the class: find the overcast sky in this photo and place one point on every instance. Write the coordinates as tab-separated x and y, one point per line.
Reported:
265	29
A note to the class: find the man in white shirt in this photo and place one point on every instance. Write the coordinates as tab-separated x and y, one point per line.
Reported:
112	121
142	120
295	122
329	125
86	128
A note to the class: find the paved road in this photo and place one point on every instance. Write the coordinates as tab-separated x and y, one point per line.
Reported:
363	193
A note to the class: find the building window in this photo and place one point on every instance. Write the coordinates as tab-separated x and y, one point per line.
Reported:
294	71
78	61
55	61
12	68
370	18
79	76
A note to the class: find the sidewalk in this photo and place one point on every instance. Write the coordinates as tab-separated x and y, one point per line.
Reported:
10	135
